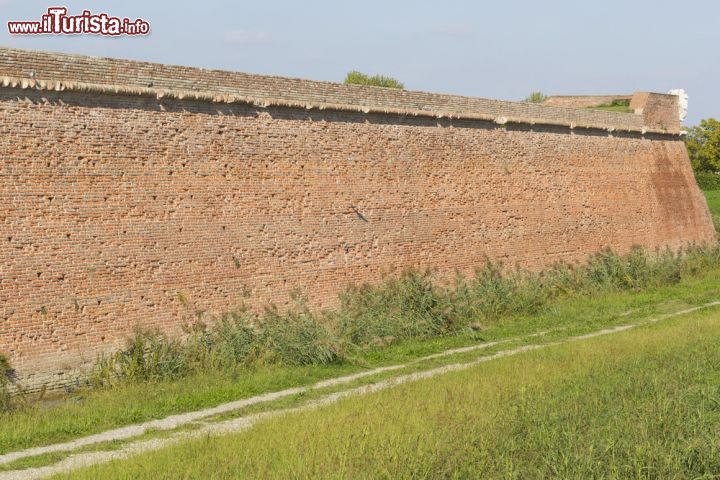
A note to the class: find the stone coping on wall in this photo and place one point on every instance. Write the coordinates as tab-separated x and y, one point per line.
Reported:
25	69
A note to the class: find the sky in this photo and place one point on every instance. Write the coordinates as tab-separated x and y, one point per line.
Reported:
500	49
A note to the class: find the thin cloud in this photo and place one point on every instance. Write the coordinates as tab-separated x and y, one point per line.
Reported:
245	36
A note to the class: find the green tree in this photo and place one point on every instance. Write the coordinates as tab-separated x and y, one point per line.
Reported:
359	78
536	97
703	145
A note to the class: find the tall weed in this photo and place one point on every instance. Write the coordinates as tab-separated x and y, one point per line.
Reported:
371	316
6	375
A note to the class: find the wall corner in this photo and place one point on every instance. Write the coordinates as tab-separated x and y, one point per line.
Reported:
659	110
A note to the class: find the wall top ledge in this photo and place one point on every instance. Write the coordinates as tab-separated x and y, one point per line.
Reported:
26	69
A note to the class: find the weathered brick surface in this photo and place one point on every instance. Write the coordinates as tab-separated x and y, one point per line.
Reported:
658	110
113	208
583	101
61	66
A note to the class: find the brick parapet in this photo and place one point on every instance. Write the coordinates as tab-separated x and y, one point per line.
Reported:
106	75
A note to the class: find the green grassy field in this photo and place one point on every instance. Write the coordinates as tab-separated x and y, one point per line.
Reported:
639	404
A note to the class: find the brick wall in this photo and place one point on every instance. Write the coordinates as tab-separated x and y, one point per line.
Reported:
59	66
658	110
115	207
583	101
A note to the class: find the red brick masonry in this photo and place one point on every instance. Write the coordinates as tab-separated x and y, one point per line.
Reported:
115	206
583	101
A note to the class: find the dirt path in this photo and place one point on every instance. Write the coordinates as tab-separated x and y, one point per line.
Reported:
238	424
174	421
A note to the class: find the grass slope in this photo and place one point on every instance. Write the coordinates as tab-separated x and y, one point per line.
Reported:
642	404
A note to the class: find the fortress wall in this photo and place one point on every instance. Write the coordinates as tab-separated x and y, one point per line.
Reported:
120	210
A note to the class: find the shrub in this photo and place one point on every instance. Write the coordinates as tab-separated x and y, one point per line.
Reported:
536	97
496	294
359	78
616	105
620	102
238	339
296	337
406	307
149	355
708	180
232	341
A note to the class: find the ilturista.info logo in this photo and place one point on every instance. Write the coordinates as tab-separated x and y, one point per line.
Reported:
57	22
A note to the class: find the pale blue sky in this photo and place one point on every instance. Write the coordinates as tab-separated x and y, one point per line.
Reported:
500	49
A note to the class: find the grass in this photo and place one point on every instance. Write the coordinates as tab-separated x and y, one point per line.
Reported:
358	78
628	293
93	411
418	365
622	106
639	404
713	200
290	401
613	108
